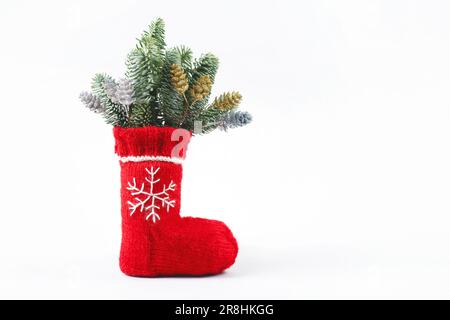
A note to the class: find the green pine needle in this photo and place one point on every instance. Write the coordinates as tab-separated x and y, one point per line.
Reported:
114	113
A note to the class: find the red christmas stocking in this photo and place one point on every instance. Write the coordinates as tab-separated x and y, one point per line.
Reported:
155	239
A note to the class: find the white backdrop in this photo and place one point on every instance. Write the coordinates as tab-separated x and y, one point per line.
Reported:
338	189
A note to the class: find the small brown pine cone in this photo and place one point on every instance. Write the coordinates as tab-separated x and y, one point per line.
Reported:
227	101
201	88
179	78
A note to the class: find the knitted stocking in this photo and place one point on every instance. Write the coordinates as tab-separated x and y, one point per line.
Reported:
155	239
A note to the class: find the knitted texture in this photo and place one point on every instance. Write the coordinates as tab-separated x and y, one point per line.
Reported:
156	240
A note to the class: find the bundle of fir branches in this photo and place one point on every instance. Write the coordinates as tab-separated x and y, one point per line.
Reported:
165	87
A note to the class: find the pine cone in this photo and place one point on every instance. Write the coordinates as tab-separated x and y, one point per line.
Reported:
111	90
179	78
235	119
201	88
125	92
91	102
227	101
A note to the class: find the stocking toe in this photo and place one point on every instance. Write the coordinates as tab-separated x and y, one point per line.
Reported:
197	247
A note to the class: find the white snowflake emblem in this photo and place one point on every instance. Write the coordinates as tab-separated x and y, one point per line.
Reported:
146	199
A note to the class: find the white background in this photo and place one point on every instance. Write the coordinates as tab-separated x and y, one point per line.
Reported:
339	188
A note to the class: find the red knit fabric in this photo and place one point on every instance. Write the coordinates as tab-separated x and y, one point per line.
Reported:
156	241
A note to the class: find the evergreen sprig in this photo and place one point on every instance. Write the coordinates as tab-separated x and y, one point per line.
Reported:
165	87
186	57
146	60
172	102
113	113
140	116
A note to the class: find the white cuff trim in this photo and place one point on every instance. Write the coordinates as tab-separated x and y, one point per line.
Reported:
150	158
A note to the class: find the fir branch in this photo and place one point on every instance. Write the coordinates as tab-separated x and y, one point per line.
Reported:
145	62
221	114
154	38
206	65
141	116
114	113
199	91
164	88
208	120
185	56
172	102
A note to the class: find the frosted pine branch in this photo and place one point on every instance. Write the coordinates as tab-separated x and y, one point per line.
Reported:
235	119
92	102
111	90
125	92
165	87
